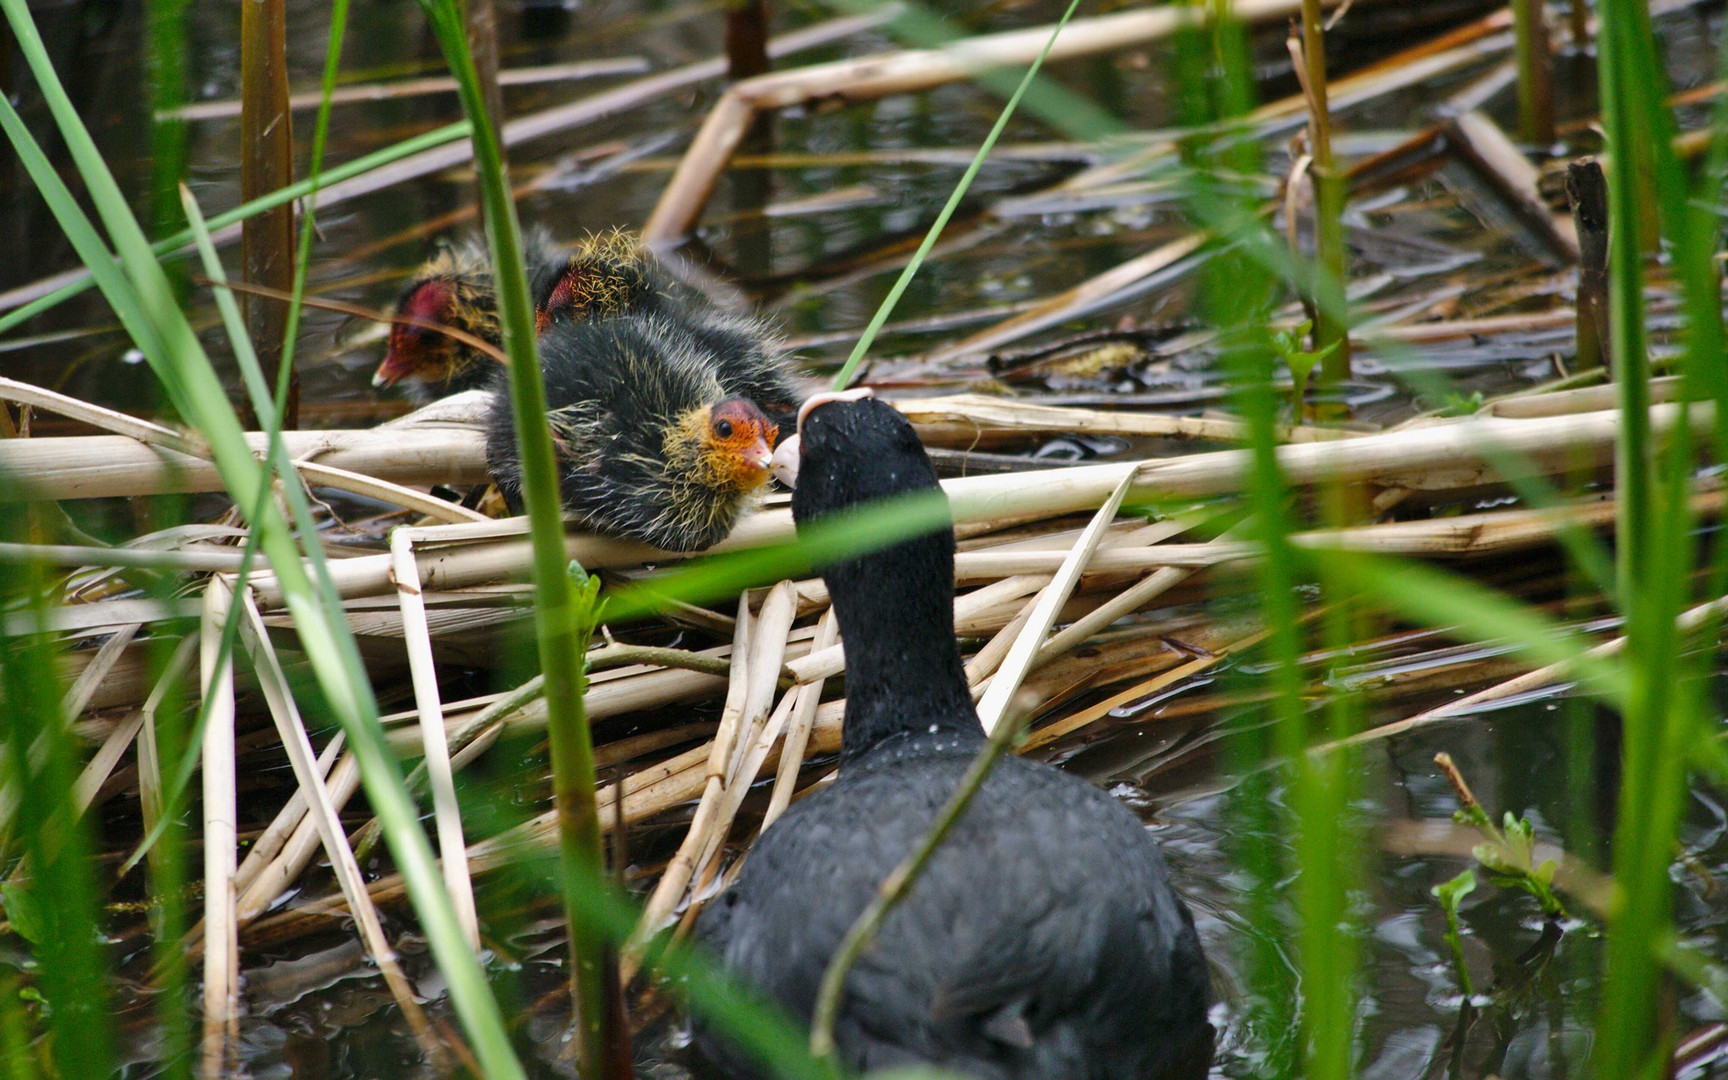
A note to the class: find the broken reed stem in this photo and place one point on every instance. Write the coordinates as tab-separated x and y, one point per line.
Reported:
1587	191
1331	322
221	837
423	673
798	726
291	730
1535	73
266	164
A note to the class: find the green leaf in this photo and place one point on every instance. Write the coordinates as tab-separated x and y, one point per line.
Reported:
24	912
1449	893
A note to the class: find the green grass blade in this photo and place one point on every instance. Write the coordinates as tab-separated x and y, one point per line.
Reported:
60	887
175	243
555	616
174	352
886	308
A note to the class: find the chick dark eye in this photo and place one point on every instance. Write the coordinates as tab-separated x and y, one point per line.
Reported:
723	429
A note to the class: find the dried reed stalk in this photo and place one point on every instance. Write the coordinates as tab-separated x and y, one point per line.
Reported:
1442	456
993	708
1071	303
960	419
809	696
397	89
1499	161
910	71
292	732
221	835
1689	621
676	877
452	848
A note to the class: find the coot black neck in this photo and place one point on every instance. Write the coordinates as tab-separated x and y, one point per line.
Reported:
903	668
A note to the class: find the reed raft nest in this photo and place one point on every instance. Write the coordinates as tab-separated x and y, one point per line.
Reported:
442	594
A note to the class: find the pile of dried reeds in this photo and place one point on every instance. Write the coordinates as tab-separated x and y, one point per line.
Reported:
440	593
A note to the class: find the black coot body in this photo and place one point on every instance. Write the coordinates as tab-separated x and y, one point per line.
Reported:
1043	939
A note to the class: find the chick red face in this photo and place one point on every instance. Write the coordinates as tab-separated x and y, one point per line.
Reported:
415	350
563	303
736	443
591	286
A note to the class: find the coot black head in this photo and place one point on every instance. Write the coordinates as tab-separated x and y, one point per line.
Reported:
895	605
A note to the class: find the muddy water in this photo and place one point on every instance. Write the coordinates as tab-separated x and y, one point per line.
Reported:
815	262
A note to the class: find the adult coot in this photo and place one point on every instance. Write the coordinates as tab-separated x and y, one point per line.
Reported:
1043	939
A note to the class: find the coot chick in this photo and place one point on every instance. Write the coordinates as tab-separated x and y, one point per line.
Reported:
609	275
1043	940
454	287
651	445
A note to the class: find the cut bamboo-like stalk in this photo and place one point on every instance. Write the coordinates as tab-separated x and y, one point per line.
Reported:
1006	682
149	758
676	877
798	726
221	835
292	731
1443	455
82	690
452	848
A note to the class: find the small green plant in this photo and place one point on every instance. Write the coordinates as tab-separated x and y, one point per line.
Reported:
1301	362
1508	850
1457	404
1451	894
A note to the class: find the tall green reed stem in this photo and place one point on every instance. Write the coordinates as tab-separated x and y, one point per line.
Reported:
144	301
59	894
556	621
886	308
1657	549
179	240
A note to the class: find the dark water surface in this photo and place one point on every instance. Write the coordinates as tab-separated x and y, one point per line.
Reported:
317	1012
